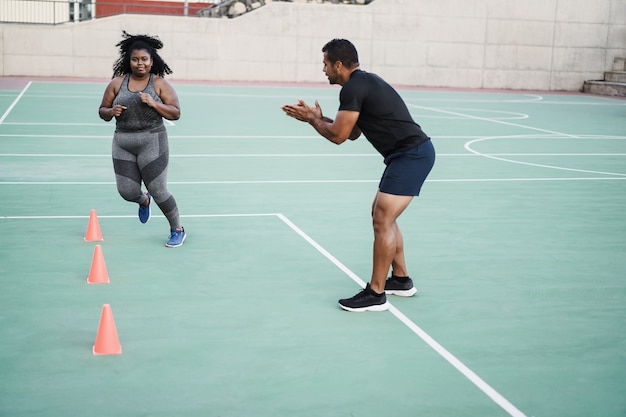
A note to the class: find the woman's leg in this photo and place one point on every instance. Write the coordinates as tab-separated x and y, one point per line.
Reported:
127	174
153	161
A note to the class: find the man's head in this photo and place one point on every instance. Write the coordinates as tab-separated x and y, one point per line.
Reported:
340	60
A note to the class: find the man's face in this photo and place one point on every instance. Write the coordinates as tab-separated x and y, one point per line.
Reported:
330	70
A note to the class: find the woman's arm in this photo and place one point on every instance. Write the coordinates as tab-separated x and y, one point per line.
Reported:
107	111
170	108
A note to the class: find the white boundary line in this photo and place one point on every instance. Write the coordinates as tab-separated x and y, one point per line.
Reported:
34	136
451	180
6	113
301	155
450	358
297	137
439	349
126	216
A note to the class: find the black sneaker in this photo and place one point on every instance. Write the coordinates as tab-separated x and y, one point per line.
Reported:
366	300
399	286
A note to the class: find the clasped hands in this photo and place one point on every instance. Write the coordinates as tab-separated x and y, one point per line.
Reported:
302	111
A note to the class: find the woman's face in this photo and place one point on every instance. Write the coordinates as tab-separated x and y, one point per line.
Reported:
140	62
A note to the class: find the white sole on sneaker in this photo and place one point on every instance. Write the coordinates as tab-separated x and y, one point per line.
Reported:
177	246
375	307
402	293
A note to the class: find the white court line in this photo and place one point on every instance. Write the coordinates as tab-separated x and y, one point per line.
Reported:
170	136
468	147
486	119
295	137
103	124
54	123
250	155
6	113
449	357
526	98
299	155
125	216
451	180
512	115
607	101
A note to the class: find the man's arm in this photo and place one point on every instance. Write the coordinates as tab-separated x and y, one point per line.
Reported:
337	131
354	135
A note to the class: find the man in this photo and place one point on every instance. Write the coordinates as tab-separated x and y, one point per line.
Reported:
371	106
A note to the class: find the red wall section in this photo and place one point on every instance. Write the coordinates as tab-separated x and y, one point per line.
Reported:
113	7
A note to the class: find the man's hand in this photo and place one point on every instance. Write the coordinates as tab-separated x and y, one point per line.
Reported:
336	131
302	111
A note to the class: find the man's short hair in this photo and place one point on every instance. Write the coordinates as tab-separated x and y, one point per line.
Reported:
342	50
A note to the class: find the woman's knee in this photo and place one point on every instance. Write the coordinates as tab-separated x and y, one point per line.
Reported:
128	196
159	194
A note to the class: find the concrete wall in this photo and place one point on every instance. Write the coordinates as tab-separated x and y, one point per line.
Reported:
509	44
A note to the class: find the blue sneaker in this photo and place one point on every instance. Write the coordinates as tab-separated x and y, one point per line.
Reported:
144	211
177	237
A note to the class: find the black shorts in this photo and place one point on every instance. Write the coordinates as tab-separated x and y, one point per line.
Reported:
406	171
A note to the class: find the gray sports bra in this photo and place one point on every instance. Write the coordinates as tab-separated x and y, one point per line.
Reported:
137	115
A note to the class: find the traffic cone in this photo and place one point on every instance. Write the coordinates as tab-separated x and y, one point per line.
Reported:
98	273
93	233
107	342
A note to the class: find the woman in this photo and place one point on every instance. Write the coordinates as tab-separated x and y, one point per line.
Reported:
139	98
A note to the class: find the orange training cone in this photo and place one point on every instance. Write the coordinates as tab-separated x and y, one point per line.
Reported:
107	342
93	233
98	273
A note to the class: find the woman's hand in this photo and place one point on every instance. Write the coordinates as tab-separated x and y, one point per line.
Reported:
147	99
117	110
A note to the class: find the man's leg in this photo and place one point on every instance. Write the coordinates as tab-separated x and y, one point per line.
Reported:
388	243
398	265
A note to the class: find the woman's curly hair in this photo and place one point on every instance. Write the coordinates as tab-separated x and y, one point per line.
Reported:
132	43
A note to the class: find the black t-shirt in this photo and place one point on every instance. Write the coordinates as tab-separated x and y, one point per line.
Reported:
384	118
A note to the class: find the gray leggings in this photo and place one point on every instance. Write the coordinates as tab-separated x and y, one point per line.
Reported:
144	155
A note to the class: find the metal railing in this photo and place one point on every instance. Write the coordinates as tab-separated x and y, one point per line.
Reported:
44	11
55	12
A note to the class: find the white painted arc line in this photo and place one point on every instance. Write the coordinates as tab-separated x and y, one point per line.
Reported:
6	113
450	358
468	147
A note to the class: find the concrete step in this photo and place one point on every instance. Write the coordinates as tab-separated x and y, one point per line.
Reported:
615	76
605	88
619	64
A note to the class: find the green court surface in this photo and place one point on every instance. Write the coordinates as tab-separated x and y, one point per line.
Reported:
516	246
